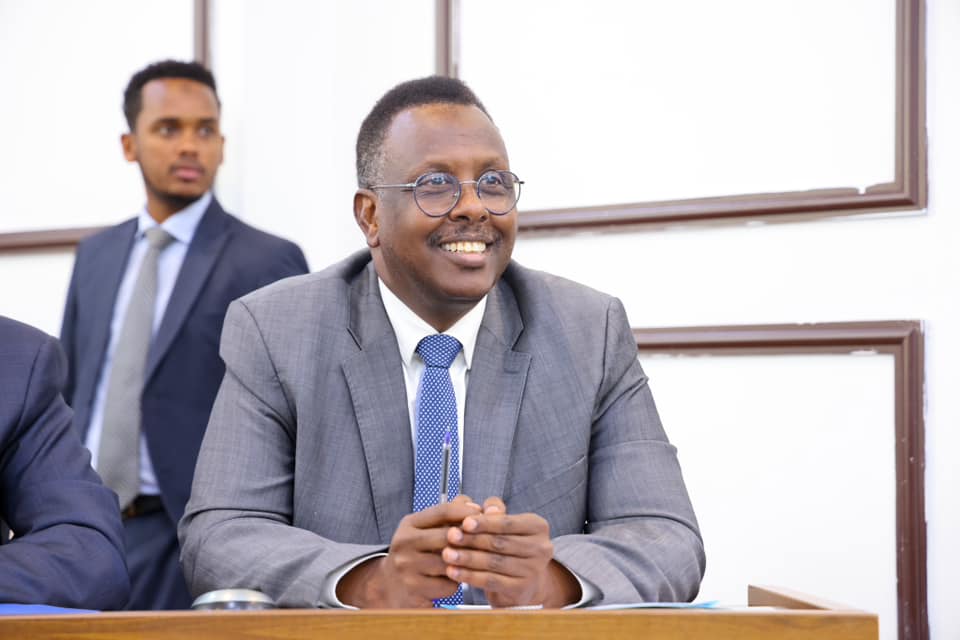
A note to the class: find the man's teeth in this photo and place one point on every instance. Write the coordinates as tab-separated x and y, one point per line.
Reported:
464	247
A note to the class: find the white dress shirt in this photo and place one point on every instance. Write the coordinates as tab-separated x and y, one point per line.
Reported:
410	329
182	226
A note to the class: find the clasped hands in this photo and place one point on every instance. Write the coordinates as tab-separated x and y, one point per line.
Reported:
509	556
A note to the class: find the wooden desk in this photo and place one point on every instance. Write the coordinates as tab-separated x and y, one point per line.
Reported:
805	618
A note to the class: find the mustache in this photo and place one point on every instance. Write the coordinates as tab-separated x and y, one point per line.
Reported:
440	237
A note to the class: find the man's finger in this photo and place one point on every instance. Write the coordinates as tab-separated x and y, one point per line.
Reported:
521	546
518	524
493	505
430	564
426	540
507	587
486	561
450	513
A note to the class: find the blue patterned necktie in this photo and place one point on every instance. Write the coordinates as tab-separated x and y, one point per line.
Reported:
436	417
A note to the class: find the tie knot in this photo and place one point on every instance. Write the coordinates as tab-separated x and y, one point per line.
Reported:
158	238
439	350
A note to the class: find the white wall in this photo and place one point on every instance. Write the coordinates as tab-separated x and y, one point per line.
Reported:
687	98
789	461
33	287
63	68
296	80
901	267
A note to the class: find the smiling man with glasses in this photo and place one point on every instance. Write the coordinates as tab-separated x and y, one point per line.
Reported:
428	366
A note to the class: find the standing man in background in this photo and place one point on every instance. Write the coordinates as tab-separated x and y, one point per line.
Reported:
143	316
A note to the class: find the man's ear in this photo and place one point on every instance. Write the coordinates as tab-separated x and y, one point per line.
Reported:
366	214
129	143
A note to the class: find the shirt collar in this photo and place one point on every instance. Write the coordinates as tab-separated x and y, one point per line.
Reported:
410	328
181	225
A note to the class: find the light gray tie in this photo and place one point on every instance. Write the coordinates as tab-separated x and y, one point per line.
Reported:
119	456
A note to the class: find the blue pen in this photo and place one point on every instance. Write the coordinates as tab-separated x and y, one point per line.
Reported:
445	469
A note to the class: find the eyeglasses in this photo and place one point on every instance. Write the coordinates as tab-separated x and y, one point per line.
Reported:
438	193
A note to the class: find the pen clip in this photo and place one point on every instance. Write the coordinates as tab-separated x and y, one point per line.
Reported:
446	453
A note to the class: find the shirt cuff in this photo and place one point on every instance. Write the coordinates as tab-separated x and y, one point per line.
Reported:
589	593
329	597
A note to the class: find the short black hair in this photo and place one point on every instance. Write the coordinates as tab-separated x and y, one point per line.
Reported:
133	94
413	93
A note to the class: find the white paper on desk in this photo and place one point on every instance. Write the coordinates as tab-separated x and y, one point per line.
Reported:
712	604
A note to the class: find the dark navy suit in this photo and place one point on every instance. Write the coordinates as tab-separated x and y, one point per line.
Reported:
226	259
68	549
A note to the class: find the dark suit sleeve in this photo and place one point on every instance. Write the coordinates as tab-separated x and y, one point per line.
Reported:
295	263
641	542
68	545
280	261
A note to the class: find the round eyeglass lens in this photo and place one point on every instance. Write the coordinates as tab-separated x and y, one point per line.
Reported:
498	191
437	193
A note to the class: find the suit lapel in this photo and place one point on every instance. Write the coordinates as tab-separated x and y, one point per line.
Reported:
375	378
497	378
205	249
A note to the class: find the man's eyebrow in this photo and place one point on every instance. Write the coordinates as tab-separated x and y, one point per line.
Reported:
166	120
178	121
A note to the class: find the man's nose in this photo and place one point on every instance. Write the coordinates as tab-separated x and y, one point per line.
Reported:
189	142
470	207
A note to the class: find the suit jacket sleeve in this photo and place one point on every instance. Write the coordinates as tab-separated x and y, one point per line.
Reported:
238	534
68	545
294	263
641	542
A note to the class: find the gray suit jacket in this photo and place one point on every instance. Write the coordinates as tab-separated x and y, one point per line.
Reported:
307	461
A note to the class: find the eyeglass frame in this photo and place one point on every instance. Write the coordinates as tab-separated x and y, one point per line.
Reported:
412	186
